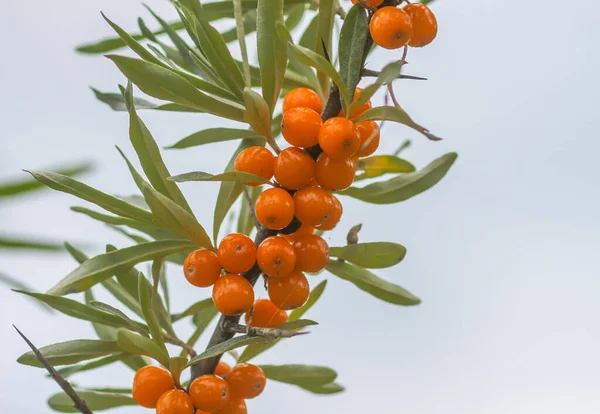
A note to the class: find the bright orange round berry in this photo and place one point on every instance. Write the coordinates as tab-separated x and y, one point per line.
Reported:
209	392
304	229
289	292
339	138
232	295
302	98
424	24
149	383
222	369
294	168
255	160
276	257
313	205
333	219
391	28
174	402
312	253
246	381
234	406
202	268
237	253
265	315
274	208
333	174
369	137
300	127
366	106
374	3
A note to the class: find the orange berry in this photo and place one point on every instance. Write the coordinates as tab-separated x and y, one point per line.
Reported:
274	208
232	295
369	137
312	253
333	174
294	168
149	383
234	406
333	219
391	28
174	402
289	292
202	268
366	106
302	98
246	381
276	257
237	253
255	160
222	369
313	205
304	229
424	24
300	127
209	392
265	315
339	138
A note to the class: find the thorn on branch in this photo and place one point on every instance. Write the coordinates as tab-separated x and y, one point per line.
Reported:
352	237
266	332
375	74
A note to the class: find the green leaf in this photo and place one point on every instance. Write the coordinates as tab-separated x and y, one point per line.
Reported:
372	284
23	186
126	322
194	309
127	277
258	115
70	352
201	319
331	388
139	345
272	51
146	299
104	332
208	136
388	74
103	266
162	83
249	26
294	16
101	362
22	244
378	165
245	222
228	345
355	31
97	401
133	44
177	365
158	307
325	32
377	255
405	186
296	325
394	114
238	176
314	296
301	375
117	103
122	295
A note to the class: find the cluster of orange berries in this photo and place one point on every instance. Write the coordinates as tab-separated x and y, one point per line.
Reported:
393	28
223	392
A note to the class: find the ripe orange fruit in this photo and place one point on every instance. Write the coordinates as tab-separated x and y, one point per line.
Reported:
334	217
276	257
300	127
289	292
333	174
255	160
265	315
366	106
339	138
294	168
304	229
369	137
234	406
391	28
302	98
237	253
424	24
202	268
149	383
312	253
174	402
222	369
232	295
246	381
209	392
274	208
313	205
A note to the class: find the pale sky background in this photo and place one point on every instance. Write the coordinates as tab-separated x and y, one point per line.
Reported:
503	251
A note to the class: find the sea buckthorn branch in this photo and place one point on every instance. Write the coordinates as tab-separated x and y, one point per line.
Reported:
374	73
178	342
266	332
251	207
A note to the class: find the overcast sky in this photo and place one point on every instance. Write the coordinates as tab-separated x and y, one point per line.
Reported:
503	251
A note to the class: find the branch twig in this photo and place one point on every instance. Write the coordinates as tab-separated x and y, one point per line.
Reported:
178	342
375	73
267	332
251	207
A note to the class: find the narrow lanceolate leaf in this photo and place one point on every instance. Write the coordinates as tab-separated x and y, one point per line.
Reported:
68	185
139	345
96	401
372	284
133	44
165	84
228	345
71	352
208	136
27	185
354	32
126	321
127	277
272	50
378	165
122	295
149	155
238	176
301	375
324	36
98	363
158	307
331	388
258	116
394	114
376	255
193	309
404	186
145	294
22	244
103	266
388	74
201	319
